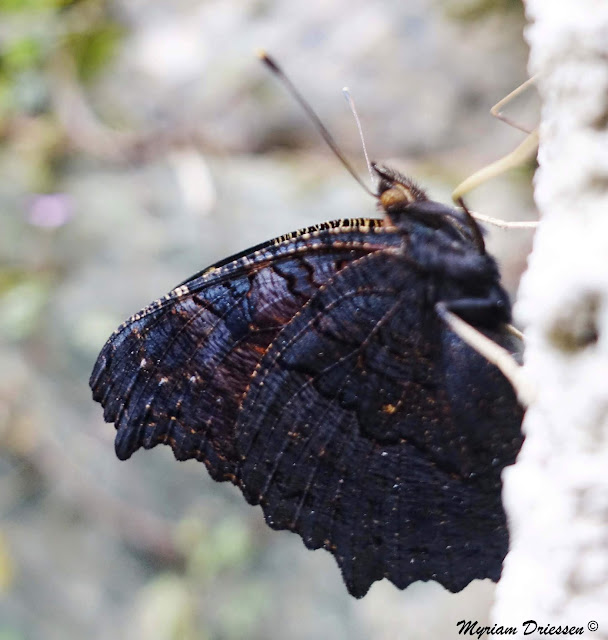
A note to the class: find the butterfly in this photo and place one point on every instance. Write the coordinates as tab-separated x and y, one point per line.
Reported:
313	372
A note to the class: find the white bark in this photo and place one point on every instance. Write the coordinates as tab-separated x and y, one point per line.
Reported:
556	495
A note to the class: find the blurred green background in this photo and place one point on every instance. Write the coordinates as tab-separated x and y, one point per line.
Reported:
139	142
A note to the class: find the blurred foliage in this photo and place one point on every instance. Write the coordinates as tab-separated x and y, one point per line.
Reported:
211	551
10	634
179	605
93	48
22	305
43	42
6	566
166	610
473	10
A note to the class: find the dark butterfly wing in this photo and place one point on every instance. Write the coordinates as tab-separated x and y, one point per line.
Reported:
176	372
374	432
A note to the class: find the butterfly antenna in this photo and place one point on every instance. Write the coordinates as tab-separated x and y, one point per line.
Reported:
351	104
331	143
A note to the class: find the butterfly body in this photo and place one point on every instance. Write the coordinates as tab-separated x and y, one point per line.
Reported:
314	372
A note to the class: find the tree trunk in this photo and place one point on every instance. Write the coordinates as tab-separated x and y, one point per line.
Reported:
556	495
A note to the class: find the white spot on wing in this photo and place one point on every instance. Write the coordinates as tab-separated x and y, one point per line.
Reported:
181	291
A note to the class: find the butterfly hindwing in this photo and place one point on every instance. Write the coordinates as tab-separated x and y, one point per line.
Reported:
353	435
176	372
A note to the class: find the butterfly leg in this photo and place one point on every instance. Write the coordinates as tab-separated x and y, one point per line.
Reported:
496	110
514	331
525	151
451	312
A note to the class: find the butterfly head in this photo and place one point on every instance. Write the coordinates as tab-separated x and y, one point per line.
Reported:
395	189
408	207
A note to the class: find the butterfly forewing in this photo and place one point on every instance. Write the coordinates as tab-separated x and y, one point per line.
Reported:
176	371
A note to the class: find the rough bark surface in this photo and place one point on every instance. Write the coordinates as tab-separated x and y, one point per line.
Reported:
556	495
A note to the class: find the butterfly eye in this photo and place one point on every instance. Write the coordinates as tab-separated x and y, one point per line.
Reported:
398	194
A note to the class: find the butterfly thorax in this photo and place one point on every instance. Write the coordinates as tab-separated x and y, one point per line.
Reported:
443	243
